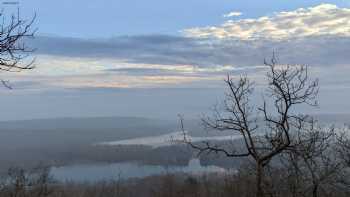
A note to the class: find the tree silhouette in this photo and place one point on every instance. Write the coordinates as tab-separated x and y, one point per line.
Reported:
13	49
268	136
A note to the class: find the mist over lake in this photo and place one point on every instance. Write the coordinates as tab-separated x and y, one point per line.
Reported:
116	171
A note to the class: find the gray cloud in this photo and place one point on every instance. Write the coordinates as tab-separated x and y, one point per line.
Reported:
144	71
172	50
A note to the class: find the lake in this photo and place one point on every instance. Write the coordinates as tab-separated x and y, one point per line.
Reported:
114	171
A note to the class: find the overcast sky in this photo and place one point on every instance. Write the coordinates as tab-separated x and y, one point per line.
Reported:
158	58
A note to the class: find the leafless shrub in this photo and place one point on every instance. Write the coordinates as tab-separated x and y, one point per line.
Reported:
21	183
312	165
343	149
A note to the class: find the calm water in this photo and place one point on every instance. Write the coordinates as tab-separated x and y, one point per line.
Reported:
92	173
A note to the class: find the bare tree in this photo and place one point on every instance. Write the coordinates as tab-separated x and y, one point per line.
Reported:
343	149
264	138
13	49
312	163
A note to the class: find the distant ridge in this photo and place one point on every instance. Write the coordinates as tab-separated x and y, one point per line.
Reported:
111	122
80	123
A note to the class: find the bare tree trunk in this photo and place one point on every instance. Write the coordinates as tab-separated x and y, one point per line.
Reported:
259	177
314	190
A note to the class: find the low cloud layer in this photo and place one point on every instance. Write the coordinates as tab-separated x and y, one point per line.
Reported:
155	49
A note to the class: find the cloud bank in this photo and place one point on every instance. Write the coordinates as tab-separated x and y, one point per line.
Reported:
321	20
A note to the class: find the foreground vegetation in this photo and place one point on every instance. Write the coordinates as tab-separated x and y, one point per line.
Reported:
38	183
